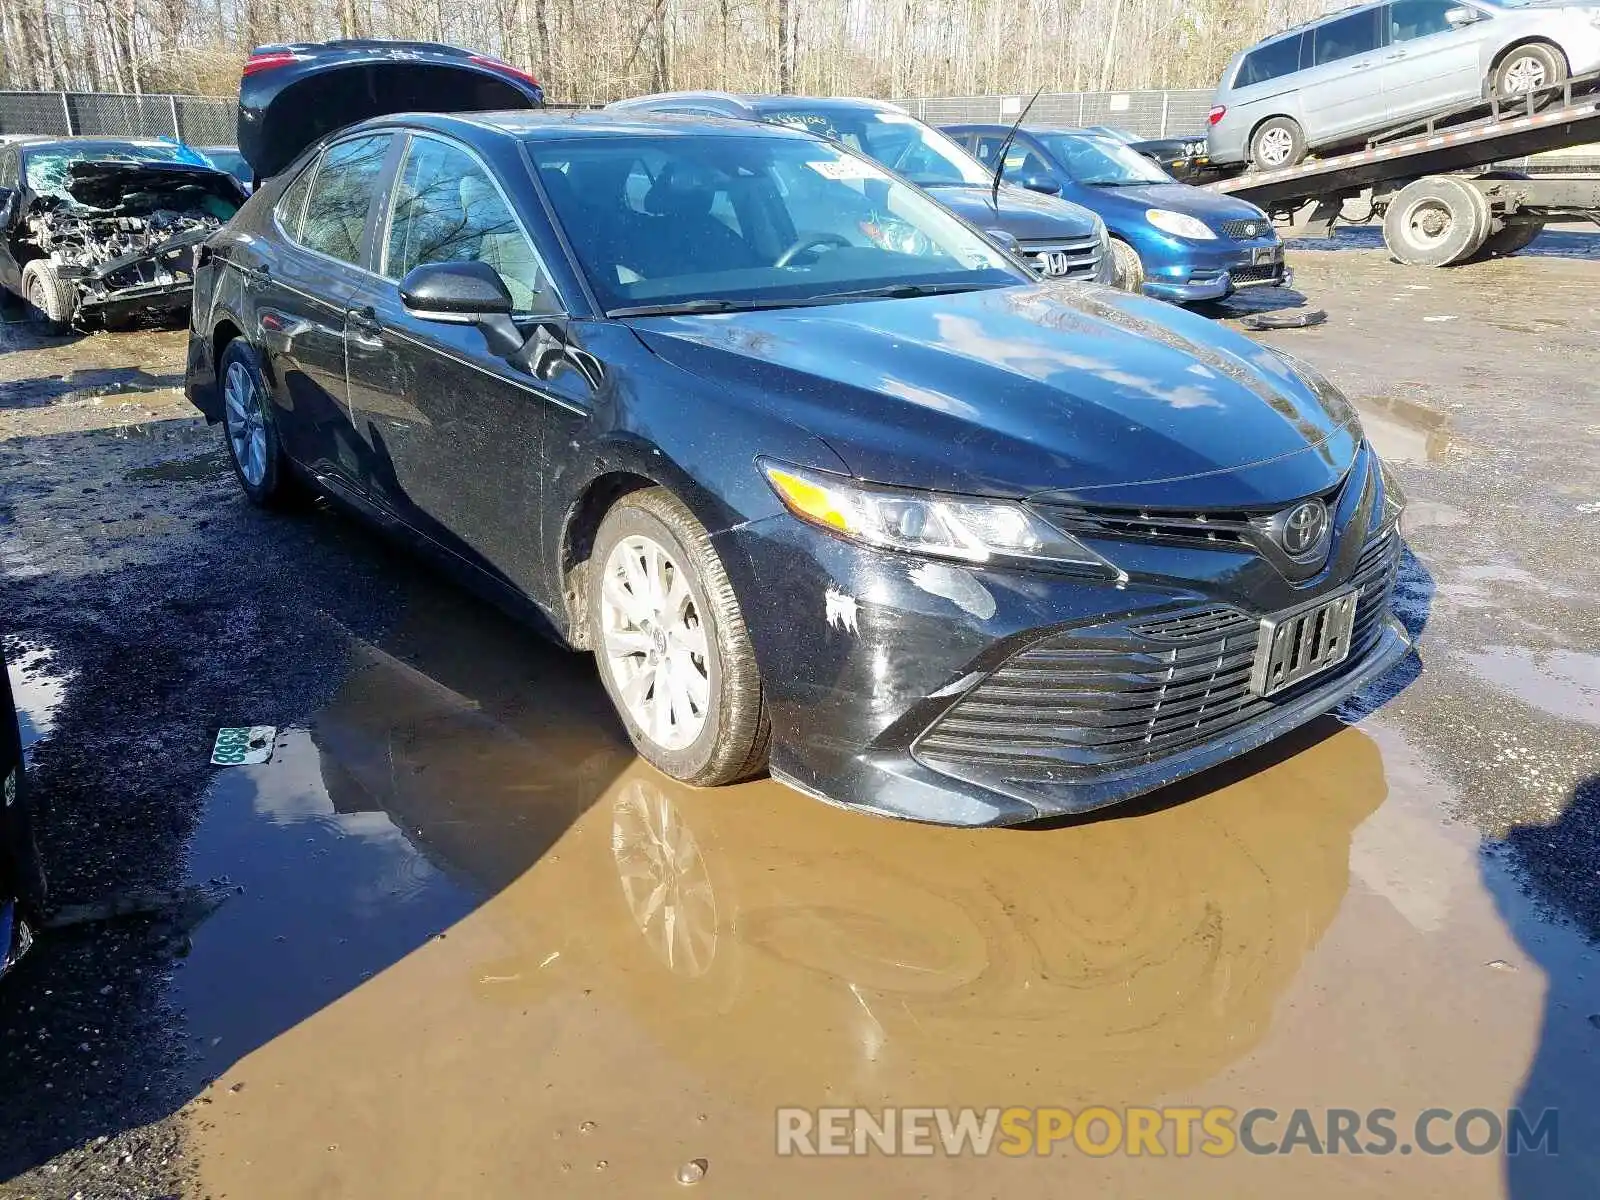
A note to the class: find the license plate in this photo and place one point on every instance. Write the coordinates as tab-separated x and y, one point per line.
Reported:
1265	256
1298	646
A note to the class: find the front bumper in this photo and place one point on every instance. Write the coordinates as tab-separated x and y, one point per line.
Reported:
1195	271
868	656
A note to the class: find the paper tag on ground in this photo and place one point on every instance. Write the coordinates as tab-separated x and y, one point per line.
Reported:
245	746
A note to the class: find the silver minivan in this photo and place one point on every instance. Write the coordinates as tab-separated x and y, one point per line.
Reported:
1336	80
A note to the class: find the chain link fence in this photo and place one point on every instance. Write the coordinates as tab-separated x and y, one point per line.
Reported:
1174	113
194	119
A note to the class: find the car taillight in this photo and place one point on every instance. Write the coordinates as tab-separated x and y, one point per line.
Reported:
268	61
504	68
1216	114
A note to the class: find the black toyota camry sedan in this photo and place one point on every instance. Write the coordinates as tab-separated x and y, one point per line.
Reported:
827	482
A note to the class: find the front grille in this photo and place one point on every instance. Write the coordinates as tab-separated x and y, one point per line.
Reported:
1112	696
1080	256
1262	274
1245	229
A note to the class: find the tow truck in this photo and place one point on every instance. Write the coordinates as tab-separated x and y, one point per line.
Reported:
1433	181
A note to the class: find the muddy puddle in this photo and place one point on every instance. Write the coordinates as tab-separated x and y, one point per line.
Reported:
634	975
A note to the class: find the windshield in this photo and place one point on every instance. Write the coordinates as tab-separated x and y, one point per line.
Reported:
46	167
1100	162
767	220
904	144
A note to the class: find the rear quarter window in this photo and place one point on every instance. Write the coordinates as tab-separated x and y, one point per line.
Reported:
292	203
1269	62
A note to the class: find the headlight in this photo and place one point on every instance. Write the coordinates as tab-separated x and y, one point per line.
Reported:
942	526
1179	224
1392	504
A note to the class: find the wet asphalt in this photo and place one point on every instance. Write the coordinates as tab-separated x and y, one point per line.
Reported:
453	939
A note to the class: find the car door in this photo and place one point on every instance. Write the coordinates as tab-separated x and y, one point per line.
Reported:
301	288
11	180
1341	92
1429	63
455	436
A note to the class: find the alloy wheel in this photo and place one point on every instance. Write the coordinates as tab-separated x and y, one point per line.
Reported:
246	423
654	642
1524	74
1276	147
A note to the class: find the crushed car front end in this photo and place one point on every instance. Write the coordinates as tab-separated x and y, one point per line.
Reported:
123	235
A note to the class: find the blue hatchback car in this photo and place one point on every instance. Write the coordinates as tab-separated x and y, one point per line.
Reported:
1177	242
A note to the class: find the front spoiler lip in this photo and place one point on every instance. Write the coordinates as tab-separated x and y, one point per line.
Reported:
896	784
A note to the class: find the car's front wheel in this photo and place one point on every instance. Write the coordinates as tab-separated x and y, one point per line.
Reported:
252	437
671	643
52	301
1127	268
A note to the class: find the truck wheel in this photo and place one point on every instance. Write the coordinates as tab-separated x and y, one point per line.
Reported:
1506	239
1509	239
1526	68
1276	144
1127	268
52	301
1436	221
671	643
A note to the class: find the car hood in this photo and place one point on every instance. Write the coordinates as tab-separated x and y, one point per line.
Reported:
1211	207
1055	391
112	185
1025	215
318	88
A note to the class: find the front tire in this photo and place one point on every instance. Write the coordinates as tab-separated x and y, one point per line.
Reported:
671	643
1277	144
1526	68
1436	221
1127	268
52	301
251	435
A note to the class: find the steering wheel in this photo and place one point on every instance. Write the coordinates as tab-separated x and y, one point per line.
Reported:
809	241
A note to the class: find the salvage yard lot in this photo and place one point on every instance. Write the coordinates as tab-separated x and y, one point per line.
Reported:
424	950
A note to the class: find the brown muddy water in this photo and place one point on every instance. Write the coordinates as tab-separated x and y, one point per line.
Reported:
479	949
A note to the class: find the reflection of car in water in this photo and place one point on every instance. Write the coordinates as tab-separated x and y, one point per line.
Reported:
22	885
787	950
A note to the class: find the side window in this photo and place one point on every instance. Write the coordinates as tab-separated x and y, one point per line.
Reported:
1359	33
1410	19
292	204
336	209
448	209
1272	61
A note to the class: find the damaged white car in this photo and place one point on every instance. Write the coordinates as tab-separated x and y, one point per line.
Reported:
105	229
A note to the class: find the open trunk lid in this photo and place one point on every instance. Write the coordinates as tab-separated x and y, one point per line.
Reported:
291	95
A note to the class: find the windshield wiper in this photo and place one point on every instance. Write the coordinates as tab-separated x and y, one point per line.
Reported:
690	307
903	291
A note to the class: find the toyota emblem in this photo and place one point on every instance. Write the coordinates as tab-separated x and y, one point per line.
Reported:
1300	529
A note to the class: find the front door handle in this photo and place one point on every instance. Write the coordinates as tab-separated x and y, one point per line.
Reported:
1361	66
364	327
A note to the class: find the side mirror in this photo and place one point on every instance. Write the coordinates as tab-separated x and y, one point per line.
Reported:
464	293
1006	240
1457	17
8	207
1037	181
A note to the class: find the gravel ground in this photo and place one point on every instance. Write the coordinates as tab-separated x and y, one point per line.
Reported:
132	571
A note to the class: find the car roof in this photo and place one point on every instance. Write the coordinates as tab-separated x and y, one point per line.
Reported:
1321	19
544	125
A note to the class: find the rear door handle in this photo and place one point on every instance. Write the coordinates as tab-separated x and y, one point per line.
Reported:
1360	66
364	327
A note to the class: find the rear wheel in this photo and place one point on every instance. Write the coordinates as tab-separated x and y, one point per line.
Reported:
1436	221
671	643
1276	144
1527	68
1507	239
52	301
252	438
1127	268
